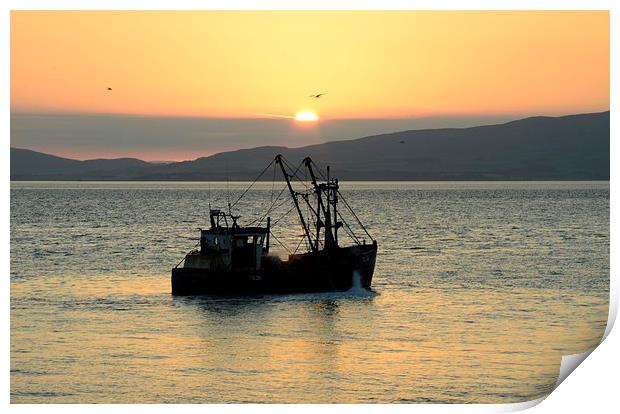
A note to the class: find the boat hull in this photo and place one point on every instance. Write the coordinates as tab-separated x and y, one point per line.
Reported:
338	270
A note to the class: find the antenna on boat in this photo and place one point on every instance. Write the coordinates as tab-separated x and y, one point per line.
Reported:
209	197
228	194
228	189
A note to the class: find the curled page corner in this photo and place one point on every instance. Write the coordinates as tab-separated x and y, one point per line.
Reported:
569	363
613	310
514	407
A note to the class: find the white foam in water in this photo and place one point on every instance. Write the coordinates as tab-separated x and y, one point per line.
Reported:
357	280
357	289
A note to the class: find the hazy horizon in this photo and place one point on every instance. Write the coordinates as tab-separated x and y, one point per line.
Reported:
155	138
167	138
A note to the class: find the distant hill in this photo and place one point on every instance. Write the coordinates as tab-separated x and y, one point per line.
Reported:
27	165
574	147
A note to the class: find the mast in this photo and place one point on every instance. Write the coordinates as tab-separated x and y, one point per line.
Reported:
268	232
330	237
332	198
294	195
335	202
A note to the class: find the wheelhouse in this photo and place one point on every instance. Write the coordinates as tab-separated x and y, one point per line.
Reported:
226	246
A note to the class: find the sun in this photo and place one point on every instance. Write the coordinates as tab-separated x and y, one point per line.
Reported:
306	116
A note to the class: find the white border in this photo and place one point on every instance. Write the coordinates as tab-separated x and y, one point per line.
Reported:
311	5
589	389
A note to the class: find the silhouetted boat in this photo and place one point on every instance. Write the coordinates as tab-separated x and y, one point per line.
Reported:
236	260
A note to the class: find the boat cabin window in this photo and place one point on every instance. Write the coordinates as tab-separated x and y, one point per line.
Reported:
214	242
247	241
244	240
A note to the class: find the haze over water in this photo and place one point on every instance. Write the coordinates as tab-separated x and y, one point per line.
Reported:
479	290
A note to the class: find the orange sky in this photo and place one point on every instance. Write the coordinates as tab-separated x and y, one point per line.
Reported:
371	64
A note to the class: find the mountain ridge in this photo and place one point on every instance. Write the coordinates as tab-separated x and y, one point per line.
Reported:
571	147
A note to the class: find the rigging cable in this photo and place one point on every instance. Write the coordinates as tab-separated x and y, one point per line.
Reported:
277	198
348	229
254	182
284	215
355	215
319	170
299	244
294	175
282	244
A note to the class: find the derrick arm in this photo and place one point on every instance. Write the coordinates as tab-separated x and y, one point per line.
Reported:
294	195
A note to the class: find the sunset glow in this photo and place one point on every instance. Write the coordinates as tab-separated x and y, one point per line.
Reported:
154	84
306	116
371	64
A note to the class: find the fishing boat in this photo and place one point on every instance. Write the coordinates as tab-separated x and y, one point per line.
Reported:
235	259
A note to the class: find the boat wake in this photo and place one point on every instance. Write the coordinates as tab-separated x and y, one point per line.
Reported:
357	289
353	293
356	292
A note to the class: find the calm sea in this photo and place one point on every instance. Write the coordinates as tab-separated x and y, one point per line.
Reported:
479	290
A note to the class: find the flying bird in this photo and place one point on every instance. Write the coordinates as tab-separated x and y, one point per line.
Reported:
318	95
